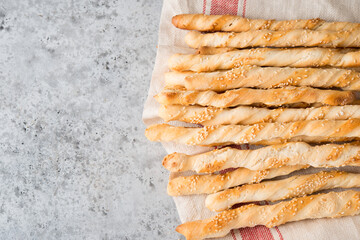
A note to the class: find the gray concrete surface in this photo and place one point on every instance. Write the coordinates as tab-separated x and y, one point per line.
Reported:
74	161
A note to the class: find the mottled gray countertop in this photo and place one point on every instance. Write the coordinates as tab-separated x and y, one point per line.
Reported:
74	161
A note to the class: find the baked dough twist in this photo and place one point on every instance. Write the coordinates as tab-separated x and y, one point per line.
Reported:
288	154
329	205
249	115
199	184
296	186
212	50
272	57
249	96
260	133
264	77
228	23
268	38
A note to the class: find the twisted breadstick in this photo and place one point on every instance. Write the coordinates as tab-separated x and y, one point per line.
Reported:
249	115
294	57
268	38
227	23
330	205
212	50
248	96
296	186
260	133
198	184
264	77
288	154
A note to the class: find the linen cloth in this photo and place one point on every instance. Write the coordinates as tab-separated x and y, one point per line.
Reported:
171	40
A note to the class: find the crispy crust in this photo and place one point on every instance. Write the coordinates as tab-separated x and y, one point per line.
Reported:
330	205
250	115
262	133
288	154
228	23
199	184
272	57
296	186
248	96
265	78
268	38
212	50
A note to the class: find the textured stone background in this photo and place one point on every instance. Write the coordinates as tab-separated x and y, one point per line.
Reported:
74	162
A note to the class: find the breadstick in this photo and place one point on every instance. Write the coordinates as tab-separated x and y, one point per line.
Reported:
248	96
296	186
249	115
288	154
272	57
199	184
260	133
227	23
268	38
329	205
264	77
212	51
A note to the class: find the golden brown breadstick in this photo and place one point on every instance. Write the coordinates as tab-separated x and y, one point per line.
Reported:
296	186
260	133
268	38
249	115
212	51
199	184
288	154
248	96
272	57
264	77
329	205
228	23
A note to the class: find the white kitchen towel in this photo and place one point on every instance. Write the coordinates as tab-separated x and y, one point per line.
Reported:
171	40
